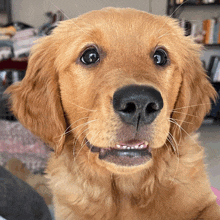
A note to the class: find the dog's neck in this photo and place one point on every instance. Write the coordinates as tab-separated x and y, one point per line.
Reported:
127	185
90	181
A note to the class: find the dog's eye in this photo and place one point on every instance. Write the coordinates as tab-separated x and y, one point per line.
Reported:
160	57
90	56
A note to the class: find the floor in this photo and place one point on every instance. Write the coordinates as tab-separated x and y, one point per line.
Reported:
210	138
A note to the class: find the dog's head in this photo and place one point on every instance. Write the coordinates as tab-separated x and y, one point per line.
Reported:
124	83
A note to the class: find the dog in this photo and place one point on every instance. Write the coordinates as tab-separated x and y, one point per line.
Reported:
118	94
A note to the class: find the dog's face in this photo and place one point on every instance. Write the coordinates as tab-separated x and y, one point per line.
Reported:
124	82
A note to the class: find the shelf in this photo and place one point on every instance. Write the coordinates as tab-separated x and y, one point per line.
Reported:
172	7
212	45
191	4
5	7
174	10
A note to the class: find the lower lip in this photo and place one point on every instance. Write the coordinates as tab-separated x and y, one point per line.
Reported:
127	158
123	157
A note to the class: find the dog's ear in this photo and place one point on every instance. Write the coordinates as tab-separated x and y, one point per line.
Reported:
35	101
195	95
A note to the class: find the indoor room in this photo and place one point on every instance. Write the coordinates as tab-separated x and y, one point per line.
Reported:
116	95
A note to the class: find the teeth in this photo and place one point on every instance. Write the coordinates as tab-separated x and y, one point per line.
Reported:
139	146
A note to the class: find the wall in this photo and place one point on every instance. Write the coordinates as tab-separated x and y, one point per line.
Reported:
196	14
32	11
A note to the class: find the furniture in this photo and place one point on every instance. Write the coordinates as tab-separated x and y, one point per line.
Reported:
14	64
5	7
175	8
11	70
19	200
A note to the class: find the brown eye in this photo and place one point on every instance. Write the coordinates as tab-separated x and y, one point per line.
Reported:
90	56
160	57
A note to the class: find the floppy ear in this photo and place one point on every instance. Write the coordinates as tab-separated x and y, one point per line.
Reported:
195	94
35	101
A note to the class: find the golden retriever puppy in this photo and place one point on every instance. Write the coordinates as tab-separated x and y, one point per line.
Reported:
118	93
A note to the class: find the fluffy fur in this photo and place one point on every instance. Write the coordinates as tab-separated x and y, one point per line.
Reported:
65	103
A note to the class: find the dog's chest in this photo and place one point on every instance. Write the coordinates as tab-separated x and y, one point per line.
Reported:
155	210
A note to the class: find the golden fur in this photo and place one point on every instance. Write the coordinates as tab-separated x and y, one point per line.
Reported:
66	103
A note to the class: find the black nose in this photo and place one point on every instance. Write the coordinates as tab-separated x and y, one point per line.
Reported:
137	105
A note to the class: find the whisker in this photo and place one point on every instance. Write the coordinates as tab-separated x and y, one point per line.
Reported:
76	139
178	8
170	17
168	146
91	110
84	124
174	122
185	113
65	132
85	139
70	19
168	33
81	142
59	9
184	121
84	108
190	106
178	156
78	135
73	124
93	138
175	148
82	146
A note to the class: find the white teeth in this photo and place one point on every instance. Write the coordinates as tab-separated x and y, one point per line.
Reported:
138	146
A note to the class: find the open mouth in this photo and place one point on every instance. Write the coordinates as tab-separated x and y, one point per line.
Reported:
124	154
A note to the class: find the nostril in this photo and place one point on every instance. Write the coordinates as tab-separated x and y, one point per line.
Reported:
137	105
151	108
129	108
